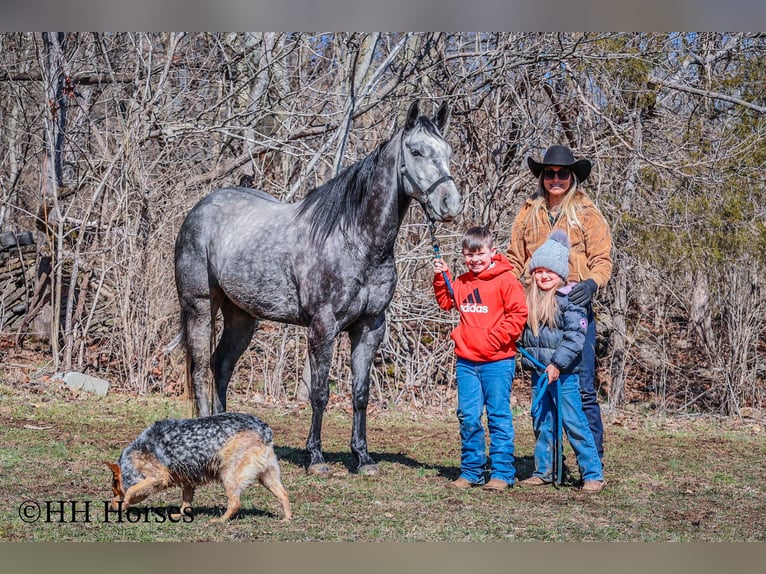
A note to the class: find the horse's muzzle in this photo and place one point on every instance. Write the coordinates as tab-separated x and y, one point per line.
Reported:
446	202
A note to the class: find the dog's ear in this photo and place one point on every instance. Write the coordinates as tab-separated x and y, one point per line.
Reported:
116	478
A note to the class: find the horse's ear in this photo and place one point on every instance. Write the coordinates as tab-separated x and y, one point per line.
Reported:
412	115
441	119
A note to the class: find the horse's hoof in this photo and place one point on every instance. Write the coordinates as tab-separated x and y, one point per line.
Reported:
320	469
369	470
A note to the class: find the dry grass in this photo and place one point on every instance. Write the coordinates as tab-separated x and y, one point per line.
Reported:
669	480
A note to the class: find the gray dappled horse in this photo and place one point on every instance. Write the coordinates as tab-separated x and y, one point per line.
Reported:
325	262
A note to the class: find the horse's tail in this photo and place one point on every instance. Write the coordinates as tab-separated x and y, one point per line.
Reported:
180	341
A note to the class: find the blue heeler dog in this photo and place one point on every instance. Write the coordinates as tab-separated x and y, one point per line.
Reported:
231	448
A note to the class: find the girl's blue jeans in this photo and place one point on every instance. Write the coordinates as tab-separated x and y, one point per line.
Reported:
487	386
575	424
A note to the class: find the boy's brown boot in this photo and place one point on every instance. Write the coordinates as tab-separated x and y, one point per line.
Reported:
495	485
593	486
460	483
533	481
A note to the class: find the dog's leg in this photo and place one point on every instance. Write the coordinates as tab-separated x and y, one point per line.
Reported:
187	497
248	458
142	490
232	479
270	478
232	494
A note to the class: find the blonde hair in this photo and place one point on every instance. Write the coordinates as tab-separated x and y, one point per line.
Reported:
568	203
542	306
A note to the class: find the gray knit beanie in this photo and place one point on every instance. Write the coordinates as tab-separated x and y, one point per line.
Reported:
553	254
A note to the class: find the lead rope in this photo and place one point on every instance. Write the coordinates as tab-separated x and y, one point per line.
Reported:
437	253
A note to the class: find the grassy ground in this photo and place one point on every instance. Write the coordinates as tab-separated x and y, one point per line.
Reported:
669	479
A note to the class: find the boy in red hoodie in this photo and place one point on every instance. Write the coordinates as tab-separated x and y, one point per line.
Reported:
493	312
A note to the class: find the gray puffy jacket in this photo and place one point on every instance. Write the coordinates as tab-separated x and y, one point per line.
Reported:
563	345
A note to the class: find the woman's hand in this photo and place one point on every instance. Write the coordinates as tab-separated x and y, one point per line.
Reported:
582	292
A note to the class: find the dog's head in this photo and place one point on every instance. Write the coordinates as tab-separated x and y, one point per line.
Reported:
117	490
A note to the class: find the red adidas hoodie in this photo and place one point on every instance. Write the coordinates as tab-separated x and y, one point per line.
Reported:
493	311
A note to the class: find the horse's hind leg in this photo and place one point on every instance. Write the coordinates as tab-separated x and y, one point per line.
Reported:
365	339
197	320
198	301
238	327
321	336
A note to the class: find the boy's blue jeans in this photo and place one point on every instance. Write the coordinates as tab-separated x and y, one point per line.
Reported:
575	424
480	386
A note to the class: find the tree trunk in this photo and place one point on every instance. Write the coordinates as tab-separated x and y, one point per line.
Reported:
618	339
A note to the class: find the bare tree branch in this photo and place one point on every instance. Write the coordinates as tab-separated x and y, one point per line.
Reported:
707	94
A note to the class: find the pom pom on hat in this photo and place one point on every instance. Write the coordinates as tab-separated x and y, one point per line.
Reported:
553	254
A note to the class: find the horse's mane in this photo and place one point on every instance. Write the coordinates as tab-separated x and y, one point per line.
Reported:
338	202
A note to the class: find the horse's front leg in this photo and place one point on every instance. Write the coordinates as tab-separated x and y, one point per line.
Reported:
321	336
366	337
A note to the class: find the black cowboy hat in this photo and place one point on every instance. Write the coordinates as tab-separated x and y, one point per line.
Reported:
562	156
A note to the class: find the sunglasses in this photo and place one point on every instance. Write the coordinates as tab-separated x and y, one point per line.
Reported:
562	174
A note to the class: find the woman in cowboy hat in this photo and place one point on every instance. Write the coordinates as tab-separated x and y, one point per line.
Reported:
559	203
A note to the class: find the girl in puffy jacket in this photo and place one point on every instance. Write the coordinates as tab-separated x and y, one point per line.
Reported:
554	335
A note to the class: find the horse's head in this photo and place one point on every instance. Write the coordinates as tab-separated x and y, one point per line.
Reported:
424	164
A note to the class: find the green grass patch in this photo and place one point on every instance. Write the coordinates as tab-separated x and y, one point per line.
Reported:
669	480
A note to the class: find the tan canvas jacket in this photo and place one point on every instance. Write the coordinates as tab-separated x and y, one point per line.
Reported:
590	251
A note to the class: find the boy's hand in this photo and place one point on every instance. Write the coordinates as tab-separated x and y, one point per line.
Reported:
440	266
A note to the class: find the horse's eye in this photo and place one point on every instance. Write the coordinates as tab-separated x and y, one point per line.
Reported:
415	153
